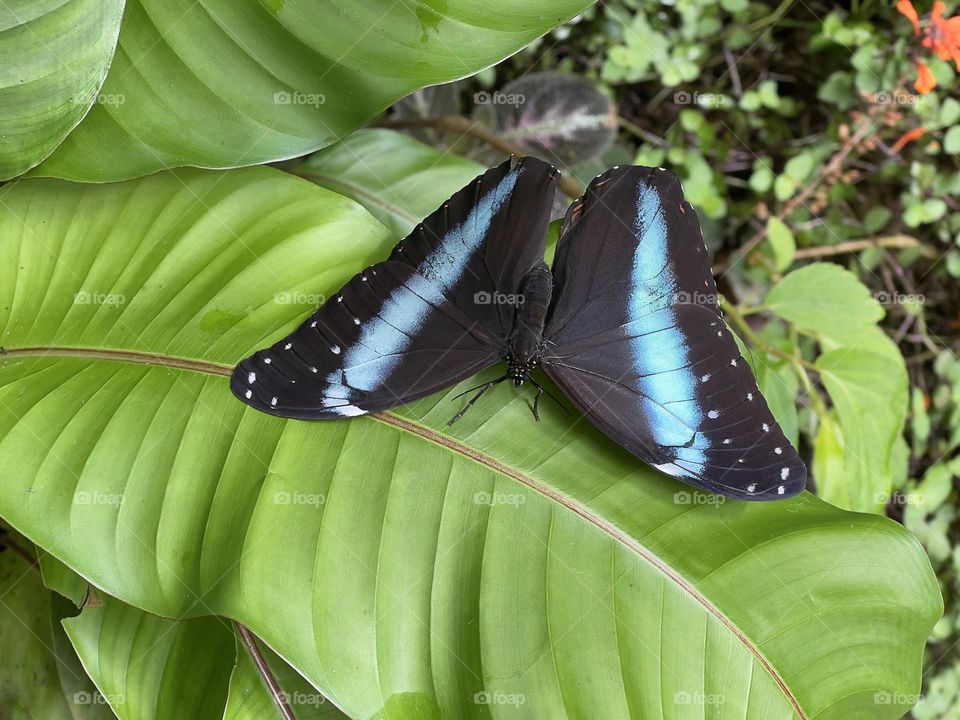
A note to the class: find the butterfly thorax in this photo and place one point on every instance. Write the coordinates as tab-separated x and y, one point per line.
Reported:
526	340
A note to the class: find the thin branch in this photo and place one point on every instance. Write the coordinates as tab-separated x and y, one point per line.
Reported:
464	126
832	167
7	541
734	313
250	643
895	242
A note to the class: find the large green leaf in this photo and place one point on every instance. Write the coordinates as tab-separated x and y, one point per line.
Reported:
398	179
250	699
824	298
505	568
869	392
222	83
148	667
29	683
54	56
86	700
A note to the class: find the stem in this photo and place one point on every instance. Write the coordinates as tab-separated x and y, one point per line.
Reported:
832	167
465	126
739	320
250	643
7	541
850	246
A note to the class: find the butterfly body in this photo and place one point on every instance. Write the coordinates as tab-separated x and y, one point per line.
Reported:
626	323
526	339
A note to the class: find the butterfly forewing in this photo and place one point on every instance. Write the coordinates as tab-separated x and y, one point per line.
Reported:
635	339
419	321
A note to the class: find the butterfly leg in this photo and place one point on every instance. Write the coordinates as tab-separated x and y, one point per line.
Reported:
483	389
536	399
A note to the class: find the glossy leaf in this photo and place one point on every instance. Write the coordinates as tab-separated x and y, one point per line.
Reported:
54	56
782	242
149	668
399	180
408	571
860	381
85	699
824	298
111	635
250	699
564	119
29	683
279	79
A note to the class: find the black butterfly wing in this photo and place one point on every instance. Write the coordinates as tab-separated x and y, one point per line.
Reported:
420	320
636	340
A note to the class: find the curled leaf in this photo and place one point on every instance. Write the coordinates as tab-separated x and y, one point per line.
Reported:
563	118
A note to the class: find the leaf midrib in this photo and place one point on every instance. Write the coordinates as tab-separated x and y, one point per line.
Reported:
425	433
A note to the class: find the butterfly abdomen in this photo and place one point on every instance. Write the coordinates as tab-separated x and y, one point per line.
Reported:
532	301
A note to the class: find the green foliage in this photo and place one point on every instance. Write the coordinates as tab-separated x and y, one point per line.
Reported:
395	533
829	193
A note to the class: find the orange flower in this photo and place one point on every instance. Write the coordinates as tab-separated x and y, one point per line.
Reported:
925	79
908	137
943	35
906	8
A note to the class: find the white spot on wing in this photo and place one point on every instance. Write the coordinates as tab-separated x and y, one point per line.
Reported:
248	394
347	411
752	487
251	377
784	473
713	414
766	428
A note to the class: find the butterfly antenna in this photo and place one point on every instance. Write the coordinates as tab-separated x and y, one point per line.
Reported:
483	388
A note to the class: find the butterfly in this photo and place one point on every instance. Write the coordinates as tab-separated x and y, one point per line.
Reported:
626	323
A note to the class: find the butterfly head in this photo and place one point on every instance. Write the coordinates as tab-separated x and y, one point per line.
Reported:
519	371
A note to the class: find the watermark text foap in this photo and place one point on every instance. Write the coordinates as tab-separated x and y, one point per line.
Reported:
498	498
285	497
497	298
285	97
112	99
896	698
900	499
299	298
83	497
301	699
496	97
684	497
86	297
898	97
488	697
704	100
95	698
697	298
898	298
697	698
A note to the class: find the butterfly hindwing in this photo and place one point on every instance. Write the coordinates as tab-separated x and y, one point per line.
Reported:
636	340
419	321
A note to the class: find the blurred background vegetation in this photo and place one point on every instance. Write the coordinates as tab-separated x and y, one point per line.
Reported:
819	146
